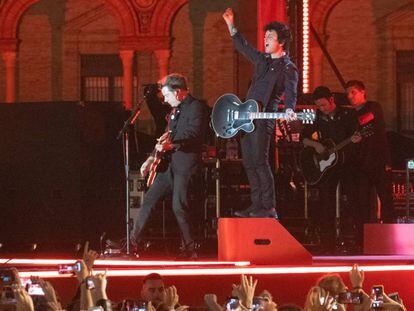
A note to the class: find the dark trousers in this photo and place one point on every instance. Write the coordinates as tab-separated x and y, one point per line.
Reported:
366	181
324	215
165	183
255	152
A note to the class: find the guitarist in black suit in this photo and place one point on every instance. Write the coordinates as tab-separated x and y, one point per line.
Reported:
373	168
182	155
335	123
275	76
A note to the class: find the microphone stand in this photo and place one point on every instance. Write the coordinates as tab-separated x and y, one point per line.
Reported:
125	143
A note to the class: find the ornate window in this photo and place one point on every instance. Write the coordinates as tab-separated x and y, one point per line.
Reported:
102	78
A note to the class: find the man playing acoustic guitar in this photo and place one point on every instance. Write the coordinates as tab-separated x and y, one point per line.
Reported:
180	151
336	124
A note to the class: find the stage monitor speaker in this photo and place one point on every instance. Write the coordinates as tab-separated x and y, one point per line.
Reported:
259	240
389	239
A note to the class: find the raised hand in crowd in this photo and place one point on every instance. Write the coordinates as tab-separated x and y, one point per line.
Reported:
51	300
89	256
171	300
245	291
319	300
23	301
366	301
99	291
99	295
211	302
86	301
392	305
356	277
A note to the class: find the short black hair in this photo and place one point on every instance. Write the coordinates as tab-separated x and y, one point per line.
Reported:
174	82
321	92
283	33
152	276
355	83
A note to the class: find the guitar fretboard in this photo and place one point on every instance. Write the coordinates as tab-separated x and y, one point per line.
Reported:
343	144
266	115
272	115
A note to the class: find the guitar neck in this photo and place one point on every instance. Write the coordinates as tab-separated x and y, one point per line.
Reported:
266	115
342	144
272	115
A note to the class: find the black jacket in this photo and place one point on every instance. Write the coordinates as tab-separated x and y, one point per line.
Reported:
373	152
188	124
341	125
272	78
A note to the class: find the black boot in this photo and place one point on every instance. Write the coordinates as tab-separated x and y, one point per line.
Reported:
245	213
264	213
188	252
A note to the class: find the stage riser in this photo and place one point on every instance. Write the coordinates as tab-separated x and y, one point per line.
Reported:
389	239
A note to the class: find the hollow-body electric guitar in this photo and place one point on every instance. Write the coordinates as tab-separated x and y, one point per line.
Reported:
159	163
230	115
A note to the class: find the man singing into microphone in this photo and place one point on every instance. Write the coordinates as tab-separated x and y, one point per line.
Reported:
274	76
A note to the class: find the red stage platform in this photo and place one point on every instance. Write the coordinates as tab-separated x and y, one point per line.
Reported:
288	284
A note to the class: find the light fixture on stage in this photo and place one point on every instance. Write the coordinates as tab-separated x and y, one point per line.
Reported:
410	164
225	271
305	47
409	193
124	263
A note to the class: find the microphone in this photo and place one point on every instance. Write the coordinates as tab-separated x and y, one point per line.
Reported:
135	114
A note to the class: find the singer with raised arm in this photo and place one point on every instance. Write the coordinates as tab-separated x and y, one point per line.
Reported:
175	160
275	76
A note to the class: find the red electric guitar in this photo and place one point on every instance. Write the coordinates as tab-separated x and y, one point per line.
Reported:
158	165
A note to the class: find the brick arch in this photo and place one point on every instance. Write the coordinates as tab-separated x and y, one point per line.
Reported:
12	10
163	16
10	14
125	16
320	12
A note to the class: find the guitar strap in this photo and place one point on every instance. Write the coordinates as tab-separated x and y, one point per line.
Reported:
278	69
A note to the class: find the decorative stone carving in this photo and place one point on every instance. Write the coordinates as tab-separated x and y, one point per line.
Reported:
145	21
145	9
144	4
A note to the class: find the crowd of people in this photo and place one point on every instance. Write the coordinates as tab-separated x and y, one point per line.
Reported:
328	293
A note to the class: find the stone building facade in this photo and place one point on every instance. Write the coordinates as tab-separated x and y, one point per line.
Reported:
50	48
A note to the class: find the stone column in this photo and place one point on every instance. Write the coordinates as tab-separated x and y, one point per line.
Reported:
127	57
163	58
9	59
